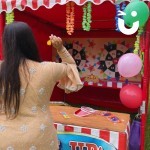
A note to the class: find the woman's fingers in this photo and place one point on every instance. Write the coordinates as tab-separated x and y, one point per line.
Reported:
56	41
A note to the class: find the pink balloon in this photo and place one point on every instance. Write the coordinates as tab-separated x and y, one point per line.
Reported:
129	65
131	96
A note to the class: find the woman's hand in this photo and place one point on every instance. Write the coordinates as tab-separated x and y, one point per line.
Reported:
56	42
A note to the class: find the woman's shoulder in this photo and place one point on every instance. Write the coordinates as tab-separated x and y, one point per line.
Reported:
44	65
39	63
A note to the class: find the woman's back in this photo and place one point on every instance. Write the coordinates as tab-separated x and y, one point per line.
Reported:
26	86
34	120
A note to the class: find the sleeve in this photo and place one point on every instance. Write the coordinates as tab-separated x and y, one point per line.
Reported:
66	73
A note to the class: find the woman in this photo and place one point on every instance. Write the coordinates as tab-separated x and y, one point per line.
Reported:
26	85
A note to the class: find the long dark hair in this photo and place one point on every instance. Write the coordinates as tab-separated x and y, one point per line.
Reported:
18	45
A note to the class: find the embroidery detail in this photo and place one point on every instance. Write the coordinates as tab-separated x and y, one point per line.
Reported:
32	70
24	128
34	109
33	147
10	148
42	127
44	108
44	63
2	128
22	91
52	143
41	91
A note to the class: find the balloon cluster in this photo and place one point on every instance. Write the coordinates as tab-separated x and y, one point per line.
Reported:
70	17
9	17
117	11
87	10
129	65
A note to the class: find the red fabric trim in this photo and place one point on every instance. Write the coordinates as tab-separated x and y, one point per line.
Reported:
105	135
46	2
122	145
34	4
69	129
86	130
4	6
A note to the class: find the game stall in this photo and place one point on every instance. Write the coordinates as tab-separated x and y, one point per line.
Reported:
109	41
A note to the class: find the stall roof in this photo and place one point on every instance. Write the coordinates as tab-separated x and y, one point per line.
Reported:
9	5
54	12
103	16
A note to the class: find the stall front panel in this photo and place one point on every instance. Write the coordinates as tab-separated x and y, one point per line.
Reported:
92	132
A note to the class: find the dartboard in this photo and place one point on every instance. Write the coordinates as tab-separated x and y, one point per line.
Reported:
109	58
78	53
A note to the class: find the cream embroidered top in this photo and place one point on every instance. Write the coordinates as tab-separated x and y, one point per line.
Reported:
33	128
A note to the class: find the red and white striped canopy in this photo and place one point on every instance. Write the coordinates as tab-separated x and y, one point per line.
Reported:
9	5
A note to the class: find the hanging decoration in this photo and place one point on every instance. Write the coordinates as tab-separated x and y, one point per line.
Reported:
116	18
87	11
137	42
70	17
118	8
142	46
138	47
123	6
142	58
9	17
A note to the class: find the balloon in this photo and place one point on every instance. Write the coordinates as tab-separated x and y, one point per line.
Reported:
136	11
131	96
129	65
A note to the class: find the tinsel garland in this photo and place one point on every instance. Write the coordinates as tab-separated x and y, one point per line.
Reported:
137	42
9	17
118	6
116	18
86	22
70	17
137	46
